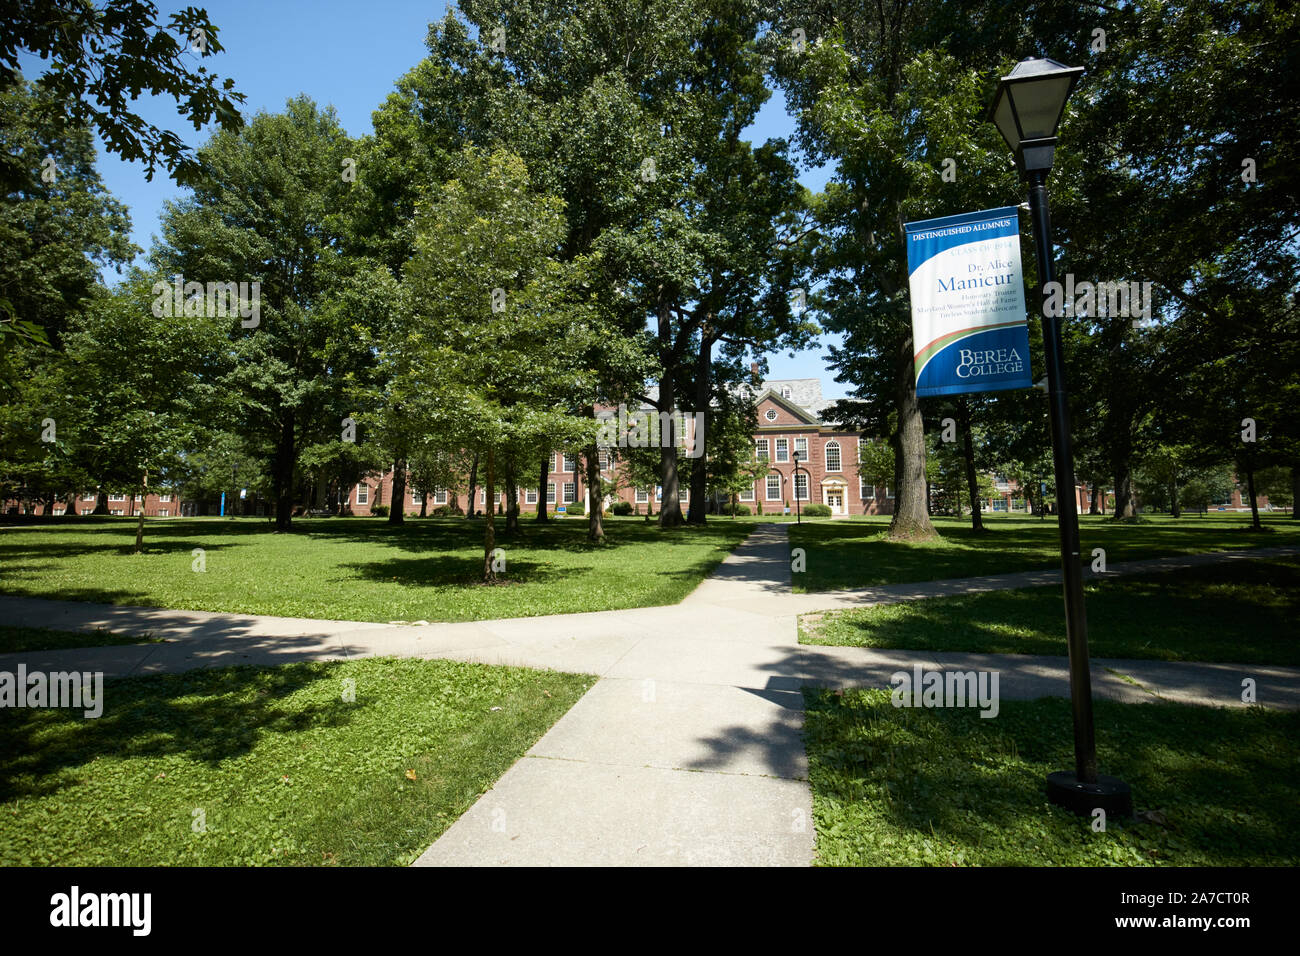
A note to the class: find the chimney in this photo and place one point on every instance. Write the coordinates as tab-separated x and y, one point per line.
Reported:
753	372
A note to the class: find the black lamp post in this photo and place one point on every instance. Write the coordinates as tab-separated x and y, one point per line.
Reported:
1027	110
798	517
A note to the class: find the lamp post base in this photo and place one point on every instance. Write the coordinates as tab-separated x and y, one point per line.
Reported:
1109	793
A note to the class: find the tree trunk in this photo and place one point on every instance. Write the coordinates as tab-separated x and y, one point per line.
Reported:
670	512
595	517
1254	505
424	502
541	489
1125	506
1092	503
1174	509
473	487
972	480
72	505
1295	494
285	453
139	524
512	497
910	519
101	503
697	507
397	504
489	518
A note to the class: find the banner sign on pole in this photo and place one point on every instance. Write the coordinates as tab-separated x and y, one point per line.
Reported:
968	303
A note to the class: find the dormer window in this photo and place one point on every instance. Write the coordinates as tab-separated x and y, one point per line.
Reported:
785	391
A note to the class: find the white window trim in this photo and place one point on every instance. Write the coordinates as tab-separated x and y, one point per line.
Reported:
803	452
363	494
779	456
550	492
766	445
770	414
866	491
747	495
117	498
165	498
530	496
839	456
802	477
888	493
570	465
767	487
642	495
570	492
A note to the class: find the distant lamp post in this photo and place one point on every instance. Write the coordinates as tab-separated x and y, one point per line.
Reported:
798	517
1027	111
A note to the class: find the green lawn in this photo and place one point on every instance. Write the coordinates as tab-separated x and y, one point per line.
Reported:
363	569
272	765
947	787
13	639
1241	612
853	554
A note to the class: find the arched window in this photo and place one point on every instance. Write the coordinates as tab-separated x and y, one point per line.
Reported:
832	456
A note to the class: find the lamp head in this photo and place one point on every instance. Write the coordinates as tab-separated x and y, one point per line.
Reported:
1028	106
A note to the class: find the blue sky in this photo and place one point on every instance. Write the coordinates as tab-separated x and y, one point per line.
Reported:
348	55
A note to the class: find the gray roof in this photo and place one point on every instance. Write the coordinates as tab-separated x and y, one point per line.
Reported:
804	392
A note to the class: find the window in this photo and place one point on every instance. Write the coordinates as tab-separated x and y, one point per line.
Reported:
164	497
439	496
604	459
59	511
801	446
659	492
682	492
569	464
570	492
89	496
832	456
116	511
773	487
162	512
642	495
530	496
785	391
801	486
762	449
117	498
363	494
553	463
550	492
416	497
770	414
866	491
482	496
747	494
783	449
888	493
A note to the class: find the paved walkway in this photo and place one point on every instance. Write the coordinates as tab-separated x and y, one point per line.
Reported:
688	749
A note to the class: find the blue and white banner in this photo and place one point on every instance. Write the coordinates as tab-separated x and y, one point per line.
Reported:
968	303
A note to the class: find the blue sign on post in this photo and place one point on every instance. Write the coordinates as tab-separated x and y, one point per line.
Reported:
968	303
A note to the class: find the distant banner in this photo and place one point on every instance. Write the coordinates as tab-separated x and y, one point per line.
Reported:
968	303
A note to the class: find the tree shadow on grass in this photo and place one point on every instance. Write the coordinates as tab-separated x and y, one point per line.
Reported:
453	571
206	715
1222	779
